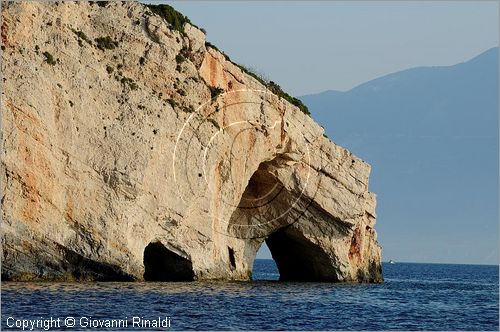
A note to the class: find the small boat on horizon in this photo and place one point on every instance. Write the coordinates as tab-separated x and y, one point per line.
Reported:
392	262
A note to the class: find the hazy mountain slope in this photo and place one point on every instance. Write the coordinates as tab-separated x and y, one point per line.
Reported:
431	135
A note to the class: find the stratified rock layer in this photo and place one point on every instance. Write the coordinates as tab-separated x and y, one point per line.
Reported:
149	155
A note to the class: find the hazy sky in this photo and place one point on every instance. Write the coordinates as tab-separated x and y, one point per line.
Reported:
309	47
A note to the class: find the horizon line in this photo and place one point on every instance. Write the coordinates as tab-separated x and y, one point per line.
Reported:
403	262
397	71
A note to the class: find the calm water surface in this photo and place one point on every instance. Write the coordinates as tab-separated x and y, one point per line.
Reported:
413	297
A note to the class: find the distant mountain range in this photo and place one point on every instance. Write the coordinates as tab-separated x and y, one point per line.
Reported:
431	136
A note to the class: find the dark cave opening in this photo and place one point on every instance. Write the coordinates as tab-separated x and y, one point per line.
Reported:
297	258
161	264
232	260
267	209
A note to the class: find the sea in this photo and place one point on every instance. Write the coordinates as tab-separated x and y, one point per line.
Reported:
413	297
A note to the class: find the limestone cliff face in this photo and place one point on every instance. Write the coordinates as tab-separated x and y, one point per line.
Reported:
131	151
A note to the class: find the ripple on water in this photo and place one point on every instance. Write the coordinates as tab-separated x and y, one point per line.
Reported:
414	296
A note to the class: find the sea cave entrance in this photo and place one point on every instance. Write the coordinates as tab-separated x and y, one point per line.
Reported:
299	259
268	210
293	258
162	264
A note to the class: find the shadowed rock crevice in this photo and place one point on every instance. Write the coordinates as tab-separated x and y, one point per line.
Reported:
264	205
82	268
372	275
161	264
232	260
73	266
262	189
298	259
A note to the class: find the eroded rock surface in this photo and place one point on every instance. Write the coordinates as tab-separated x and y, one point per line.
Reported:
135	151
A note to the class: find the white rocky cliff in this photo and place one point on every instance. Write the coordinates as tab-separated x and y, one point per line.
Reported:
133	150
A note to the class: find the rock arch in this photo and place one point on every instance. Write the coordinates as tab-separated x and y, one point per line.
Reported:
267	212
162	264
307	242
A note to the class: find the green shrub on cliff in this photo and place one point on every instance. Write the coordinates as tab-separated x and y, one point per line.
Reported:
215	92
273	87
209	44
49	58
276	89
250	72
106	43
172	16
214	123
99	3
81	36
179	58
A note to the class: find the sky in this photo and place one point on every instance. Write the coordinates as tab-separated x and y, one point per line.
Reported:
314	46
430	135
309	47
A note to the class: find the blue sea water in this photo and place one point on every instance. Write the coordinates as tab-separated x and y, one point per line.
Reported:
413	297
